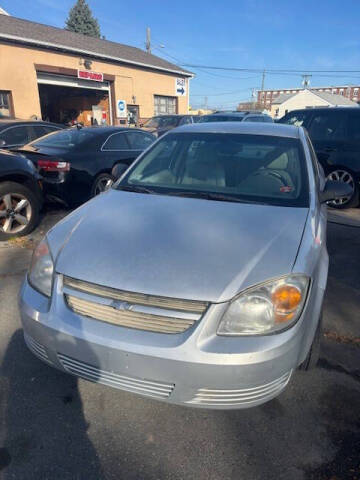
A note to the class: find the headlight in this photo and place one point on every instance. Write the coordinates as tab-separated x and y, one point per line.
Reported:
41	269
266	308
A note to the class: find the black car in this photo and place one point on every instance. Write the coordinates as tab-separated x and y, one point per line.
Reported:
77	163
16	133
335	135
236	117
163	123
20	195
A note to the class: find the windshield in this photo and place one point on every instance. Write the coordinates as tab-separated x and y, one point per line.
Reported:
68	138
161	122
235	167
221	118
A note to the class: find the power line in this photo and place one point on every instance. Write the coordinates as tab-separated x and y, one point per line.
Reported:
261	70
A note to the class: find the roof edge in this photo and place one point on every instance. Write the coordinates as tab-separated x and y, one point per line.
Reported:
90	53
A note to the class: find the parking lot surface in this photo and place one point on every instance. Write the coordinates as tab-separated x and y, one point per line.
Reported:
54	426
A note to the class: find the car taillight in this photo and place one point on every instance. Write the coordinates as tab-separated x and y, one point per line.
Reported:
53	166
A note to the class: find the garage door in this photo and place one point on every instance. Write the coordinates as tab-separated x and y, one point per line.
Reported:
62	80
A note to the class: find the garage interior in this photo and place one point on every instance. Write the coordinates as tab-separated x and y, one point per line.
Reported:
69	105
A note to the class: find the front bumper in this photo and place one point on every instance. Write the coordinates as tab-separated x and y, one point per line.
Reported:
195	368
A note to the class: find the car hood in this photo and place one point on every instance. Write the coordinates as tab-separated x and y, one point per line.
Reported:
176	247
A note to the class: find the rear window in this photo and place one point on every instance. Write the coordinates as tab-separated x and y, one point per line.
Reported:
222	118
68	138
253	168
294	118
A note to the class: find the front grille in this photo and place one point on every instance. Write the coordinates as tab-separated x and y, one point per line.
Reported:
150	388
244	396
36	348
137	298
132	310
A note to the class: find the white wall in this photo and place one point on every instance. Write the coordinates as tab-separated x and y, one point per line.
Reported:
300	100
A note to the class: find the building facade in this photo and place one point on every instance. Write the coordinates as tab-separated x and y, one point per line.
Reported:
62	76
266	98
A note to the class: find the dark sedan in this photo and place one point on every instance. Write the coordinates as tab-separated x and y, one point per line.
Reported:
77	163
16	133
20	195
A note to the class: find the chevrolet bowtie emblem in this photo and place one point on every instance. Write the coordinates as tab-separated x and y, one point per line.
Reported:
119	305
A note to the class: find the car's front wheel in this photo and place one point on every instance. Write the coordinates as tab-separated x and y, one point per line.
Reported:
19	210
102	183
343	175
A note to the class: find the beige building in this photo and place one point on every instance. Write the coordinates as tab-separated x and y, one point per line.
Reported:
287	102
61	76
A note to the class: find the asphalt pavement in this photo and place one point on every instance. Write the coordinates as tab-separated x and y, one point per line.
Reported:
54	426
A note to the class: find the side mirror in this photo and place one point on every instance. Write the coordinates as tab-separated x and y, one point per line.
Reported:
2	143
335	190
118	170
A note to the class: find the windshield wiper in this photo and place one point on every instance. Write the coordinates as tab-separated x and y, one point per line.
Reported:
135	188
209	196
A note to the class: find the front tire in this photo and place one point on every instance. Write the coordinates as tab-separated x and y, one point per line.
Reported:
19	210
102	183
343	175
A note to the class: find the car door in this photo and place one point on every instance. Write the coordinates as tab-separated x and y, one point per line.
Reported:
14	136
139	141
116	149
351	147
327	130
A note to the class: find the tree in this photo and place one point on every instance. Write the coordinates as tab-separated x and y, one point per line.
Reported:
81	20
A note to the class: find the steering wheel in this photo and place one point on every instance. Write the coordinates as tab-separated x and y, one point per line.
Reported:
276	175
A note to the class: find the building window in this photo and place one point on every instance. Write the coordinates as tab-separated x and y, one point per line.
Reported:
164	105
341	91
356	90
334	90
6	109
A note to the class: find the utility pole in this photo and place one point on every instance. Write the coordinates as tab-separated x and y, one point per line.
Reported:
206	103
306	80
148	40
263	81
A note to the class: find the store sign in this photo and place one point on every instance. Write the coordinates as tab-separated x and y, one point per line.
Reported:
87	75
121	111
180	87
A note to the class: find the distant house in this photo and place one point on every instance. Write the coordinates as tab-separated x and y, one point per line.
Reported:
286	102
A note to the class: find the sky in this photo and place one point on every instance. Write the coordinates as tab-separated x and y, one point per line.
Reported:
248	34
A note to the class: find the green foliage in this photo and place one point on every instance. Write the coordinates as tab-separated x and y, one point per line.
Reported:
81	20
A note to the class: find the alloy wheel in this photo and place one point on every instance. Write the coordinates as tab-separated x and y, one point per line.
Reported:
345	177
102	185
15	213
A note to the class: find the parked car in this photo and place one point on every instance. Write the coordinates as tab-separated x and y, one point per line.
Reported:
199	278
77	163
16	133
335	135
20	195
163	123
236	117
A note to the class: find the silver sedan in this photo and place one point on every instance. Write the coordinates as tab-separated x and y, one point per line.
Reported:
199	278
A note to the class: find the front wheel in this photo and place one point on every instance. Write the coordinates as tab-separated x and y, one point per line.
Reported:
343	175
19	210
102	183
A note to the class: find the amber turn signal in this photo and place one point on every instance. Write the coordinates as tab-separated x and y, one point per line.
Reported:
285	299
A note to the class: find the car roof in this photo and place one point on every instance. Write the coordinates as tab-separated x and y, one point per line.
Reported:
324	109
12	121
102	130
271	129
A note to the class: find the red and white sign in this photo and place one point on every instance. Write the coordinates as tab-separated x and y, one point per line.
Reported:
87	75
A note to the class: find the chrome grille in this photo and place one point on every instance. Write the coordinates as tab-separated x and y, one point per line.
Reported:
136	385
137	298
132	310
244	396
36	348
